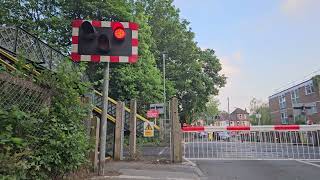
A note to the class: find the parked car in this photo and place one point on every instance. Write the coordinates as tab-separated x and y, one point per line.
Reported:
202	134
224	136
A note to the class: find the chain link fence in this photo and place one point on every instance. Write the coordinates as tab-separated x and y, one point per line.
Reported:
23	94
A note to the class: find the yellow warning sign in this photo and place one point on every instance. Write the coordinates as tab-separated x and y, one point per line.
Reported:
148	129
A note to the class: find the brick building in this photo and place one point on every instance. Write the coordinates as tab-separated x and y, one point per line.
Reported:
238	117
283	104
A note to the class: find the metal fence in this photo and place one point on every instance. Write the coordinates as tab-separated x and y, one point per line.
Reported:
22	93
19	41
255	142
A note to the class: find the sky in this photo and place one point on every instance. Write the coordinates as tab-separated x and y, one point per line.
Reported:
263	45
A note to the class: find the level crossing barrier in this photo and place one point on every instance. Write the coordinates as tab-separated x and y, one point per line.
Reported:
273	142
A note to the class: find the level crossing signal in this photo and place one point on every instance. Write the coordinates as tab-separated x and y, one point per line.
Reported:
104	41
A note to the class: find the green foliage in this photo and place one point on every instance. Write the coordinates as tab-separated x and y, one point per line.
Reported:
2	68
316	81
300	122
192	73
300	119
258	107
211	110
52	142
13	145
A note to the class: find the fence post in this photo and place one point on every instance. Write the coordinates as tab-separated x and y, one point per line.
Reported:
118	131
95	131
133	128
176	148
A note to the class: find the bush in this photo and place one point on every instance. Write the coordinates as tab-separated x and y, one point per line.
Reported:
52	142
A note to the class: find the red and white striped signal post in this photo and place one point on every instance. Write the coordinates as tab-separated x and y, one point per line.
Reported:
104	41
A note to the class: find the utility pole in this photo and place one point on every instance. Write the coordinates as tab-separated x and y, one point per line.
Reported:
164	84
164	98
103	122
228	111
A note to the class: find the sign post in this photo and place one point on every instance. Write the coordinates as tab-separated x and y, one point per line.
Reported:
103	124
104	41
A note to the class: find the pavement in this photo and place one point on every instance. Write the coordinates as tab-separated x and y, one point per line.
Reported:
151	153
149	170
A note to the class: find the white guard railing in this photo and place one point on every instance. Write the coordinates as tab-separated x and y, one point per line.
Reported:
252	142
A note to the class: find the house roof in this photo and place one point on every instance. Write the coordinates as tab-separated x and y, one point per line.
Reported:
224	116
239	111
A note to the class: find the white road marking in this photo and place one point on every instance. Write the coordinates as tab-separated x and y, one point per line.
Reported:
309	163
190	162
135	177
162	151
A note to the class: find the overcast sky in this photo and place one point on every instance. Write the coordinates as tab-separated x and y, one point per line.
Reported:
263	44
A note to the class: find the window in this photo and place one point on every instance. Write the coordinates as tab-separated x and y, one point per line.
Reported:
240	116
295	96
309	89
313	110
282	101
284	117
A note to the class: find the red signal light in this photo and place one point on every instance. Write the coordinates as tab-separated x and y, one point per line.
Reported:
118	31
119	34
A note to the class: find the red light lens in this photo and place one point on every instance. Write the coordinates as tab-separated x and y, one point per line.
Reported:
119	34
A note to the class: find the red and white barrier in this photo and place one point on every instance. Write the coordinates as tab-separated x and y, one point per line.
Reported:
251	128
269	142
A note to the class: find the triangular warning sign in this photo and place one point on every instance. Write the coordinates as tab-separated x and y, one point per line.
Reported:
149	127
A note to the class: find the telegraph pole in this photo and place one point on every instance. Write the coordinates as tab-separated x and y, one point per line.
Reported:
228	111
164	85
164	98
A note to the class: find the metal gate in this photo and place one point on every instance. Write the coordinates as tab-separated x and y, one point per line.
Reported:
279	142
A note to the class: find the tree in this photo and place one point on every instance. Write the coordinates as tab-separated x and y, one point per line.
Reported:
259	107
193	72
210	112
51	21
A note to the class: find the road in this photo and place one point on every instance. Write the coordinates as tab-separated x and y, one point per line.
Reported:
257	170
221	160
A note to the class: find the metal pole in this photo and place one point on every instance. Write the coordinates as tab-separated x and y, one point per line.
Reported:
228	111
103	123
162	129
164	85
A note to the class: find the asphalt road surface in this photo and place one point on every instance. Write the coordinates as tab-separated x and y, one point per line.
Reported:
258	170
